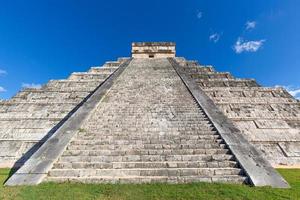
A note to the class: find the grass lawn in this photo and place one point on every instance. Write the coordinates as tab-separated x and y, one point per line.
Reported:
151	191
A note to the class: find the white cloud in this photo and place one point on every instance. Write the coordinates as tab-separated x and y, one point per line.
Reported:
294	91
250	25
2	89
199	14
249	46
31	85
215	37
2	72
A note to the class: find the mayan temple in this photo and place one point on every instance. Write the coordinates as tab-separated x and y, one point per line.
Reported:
151	117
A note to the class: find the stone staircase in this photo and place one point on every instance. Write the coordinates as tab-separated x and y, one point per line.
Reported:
147	128
32	114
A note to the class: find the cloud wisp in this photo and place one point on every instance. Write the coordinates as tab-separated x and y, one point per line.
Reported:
3	72
247	46
294	91
215	37
250	25
31	85
2	89
199	14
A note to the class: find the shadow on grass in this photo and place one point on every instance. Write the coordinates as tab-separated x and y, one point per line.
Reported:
11	172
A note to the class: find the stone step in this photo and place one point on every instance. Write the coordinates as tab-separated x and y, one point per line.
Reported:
73	90
36	115
87	76
204	145
25	131
28	119
246	93
144	141
27	107
31	123
190	121
45	99
147	127
112	64
189	63
102	69
23	136
237	179
35	108
215	75
198	69
227	83
95	129
140	133
135	137
122	165
135	134
90	74
145	172
13	102
121	60
191	116
70	86
52	90
143	152
37	93
147	158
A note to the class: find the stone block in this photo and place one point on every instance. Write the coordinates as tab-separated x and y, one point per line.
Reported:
291	149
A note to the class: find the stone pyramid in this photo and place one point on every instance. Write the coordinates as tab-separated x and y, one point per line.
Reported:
153	117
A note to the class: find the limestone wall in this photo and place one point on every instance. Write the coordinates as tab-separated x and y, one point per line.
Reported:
269	117
32	114
153	49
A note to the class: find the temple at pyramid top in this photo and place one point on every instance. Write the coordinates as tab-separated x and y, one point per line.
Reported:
153	49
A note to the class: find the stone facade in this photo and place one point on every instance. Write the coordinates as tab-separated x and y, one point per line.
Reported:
268	117
32	115
153	49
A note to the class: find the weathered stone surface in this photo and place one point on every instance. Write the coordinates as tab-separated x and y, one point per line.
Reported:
40	162
250	160
147	129
153	49
267	117
32	114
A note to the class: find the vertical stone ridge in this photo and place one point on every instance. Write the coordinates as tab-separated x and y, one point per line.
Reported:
258	169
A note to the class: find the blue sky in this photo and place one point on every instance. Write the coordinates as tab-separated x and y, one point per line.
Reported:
49	39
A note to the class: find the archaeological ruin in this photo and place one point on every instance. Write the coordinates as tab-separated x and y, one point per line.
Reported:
151	117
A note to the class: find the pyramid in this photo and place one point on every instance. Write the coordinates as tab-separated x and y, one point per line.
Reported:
153	117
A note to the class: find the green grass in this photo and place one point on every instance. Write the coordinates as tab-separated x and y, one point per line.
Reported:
151	191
